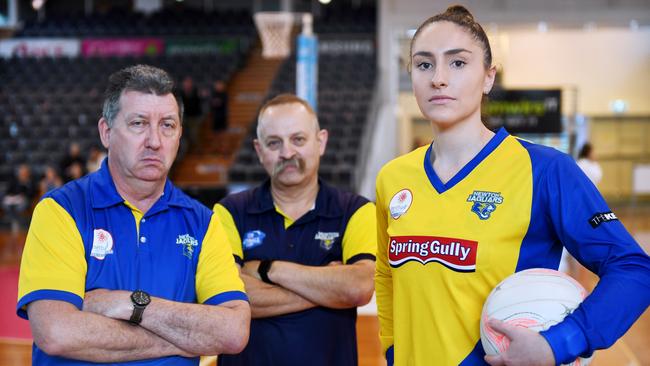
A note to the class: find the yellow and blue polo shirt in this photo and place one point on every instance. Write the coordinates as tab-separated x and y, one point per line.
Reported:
85	236
444	246
340	227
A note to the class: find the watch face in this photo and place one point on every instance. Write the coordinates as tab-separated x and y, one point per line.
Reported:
140	297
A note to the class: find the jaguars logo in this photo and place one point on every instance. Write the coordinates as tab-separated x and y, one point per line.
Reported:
327	239
188	243
484	203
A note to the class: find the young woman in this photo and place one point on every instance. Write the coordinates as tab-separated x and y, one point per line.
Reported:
457	217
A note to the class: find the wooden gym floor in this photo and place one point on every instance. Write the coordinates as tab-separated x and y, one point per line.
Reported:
631	350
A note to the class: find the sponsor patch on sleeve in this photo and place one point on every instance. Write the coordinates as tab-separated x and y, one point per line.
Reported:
602	217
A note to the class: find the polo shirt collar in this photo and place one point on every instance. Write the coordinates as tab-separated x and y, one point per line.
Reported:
327	203
104	193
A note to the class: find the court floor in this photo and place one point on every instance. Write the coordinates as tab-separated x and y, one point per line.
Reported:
633	349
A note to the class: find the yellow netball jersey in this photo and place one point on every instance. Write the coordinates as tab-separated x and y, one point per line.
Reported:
443	247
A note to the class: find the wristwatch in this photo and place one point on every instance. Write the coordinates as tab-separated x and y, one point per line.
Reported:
263	270
140	301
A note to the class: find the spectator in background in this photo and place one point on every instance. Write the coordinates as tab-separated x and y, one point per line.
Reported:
219	106
50	180
76	171
192	113
589	166
19	197
95	158
74	156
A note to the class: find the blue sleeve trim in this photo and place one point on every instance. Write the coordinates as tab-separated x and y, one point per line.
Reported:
476	357
360	256
566	340
390	356
59	295
226	296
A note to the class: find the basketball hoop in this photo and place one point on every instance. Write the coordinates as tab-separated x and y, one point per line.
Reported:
275	32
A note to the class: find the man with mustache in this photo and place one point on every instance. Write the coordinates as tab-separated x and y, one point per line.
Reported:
121	265
306	249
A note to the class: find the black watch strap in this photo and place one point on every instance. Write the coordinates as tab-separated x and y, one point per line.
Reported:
136	317
263	270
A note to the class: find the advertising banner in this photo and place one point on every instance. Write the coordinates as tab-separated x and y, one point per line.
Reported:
39	47
349	46
122	47
193	46
525	111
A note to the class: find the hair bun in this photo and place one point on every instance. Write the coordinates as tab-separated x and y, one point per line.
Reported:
459	10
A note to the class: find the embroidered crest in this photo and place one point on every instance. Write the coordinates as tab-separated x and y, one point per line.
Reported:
253	239
326	239
188	243
400	203
102	244
484	203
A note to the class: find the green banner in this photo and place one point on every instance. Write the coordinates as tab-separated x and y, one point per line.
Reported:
193	46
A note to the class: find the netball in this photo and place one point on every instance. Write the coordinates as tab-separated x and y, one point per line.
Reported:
536	299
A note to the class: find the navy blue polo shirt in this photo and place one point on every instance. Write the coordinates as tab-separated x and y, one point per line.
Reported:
317	336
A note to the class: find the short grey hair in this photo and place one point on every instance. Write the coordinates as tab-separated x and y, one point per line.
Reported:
283	99
141	78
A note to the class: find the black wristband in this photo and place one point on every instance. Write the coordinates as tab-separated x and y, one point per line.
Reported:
263	270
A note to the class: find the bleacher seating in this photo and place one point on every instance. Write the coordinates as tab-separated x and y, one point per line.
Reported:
178	22
45	103
339	17
345	85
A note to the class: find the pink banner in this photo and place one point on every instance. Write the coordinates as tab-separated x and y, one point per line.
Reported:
121	47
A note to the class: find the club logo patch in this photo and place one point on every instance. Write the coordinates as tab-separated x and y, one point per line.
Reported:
188	243
102	244
484	203
456	254
253	239
602	217
326	239
400	203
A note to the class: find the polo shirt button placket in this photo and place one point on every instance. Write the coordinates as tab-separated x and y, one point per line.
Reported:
143	239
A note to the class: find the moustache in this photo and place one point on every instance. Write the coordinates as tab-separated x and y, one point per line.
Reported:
294	162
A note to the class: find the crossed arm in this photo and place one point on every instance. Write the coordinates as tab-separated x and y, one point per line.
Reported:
100	333
300	287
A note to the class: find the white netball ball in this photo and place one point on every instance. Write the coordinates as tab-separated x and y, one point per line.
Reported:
536	299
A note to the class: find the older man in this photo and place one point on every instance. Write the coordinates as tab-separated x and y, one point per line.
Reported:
120	265
306	248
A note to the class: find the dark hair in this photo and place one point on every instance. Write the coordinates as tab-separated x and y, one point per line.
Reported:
285	99
140	78
585	151
460	16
